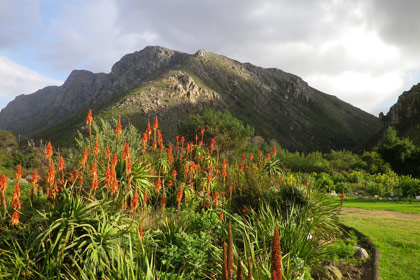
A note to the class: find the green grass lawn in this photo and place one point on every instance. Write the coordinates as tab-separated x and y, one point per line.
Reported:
369	204
398	240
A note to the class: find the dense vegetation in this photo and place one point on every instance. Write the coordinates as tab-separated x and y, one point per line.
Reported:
125	205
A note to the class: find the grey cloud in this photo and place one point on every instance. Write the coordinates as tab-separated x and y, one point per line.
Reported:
396	21
18	19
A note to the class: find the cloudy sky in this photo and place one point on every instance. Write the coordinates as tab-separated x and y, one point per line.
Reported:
364	52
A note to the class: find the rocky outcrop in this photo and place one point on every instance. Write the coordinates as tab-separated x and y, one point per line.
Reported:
404	116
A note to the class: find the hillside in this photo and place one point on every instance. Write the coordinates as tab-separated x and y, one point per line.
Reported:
404	115
171	84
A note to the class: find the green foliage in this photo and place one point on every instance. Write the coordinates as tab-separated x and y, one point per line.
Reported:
401	154
229	132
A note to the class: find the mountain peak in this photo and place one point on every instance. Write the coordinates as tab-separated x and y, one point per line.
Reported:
171	84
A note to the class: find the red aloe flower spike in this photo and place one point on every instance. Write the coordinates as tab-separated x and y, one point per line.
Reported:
61	164
118	129
49	151
182	141
15	219
89	120
225	271
141	234
84	157
18	174
96	149
51	174
342	197
163	200
243	158
179	197
126	151
34	181
230	249
155	123
16	202
239	270
158	184
216	199
202	134
276	273
135	202
108	152
149	129
145	197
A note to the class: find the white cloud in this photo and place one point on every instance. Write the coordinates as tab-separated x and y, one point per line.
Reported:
364	52
16	79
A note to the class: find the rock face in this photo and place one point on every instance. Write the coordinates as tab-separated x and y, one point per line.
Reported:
404	115
171	84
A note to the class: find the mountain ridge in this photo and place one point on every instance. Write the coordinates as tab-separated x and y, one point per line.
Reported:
278	104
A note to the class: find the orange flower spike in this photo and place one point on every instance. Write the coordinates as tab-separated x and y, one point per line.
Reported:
179	194
61	164
268	157
135	202
84	157
89	120
170	151
15	219
155	123
259	153
161	147
182	141
276	257
251	156
274	151
163	200
145	197
18	174
16	202
230	249
212	145
129	167
342	197
186	169
216	199
174	173
126	151
49	151
118	129
3	182
209	178
51	175
108	152
222	216
243	158
149	129
141	234
202	132
96	149
94	170
158	184
114	161
171	183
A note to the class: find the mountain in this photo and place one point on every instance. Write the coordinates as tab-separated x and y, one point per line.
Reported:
404	115
172	84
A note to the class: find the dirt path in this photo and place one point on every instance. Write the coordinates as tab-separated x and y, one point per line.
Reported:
381	213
